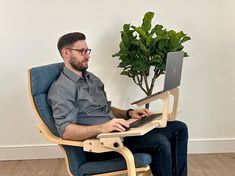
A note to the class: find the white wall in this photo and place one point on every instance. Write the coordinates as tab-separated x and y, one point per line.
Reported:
29	32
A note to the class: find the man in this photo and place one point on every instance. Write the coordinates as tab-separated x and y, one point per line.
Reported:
81	111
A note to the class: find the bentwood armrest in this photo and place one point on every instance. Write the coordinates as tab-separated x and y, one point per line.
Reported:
92	145
51	137
96	146
89	145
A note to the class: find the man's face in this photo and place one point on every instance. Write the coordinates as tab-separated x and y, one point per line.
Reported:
77	55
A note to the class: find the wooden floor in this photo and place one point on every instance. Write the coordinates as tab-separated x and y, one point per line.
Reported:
198	165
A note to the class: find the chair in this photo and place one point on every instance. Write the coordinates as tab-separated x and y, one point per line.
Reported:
40	79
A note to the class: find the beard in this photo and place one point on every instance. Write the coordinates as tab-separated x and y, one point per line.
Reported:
78	65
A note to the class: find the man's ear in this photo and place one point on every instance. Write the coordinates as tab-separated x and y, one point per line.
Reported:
64	52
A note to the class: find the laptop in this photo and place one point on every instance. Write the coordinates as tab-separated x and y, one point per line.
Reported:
173	73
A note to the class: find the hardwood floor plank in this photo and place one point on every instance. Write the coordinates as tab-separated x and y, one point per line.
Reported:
198	165
50	167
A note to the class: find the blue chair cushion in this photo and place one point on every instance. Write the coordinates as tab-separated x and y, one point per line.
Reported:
97	167
76	157
41	79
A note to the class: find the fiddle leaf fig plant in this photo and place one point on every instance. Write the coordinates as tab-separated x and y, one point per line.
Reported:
144	48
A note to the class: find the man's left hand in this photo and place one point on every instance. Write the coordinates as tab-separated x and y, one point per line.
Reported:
139	113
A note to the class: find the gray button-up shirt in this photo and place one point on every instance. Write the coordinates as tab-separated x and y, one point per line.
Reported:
78	100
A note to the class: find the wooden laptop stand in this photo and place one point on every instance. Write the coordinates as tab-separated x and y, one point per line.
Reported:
158	123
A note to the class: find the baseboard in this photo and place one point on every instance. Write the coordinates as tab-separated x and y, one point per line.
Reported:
23	152
214	145
46	151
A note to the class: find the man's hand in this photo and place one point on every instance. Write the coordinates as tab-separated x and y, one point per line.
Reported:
139	113
114	125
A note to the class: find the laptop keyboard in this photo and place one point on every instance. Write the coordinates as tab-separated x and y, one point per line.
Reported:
144	120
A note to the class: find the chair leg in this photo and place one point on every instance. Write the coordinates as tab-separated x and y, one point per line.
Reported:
126	153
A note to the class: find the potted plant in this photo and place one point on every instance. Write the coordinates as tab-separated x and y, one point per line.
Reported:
144	49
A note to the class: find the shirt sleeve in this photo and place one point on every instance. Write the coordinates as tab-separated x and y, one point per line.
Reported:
62	101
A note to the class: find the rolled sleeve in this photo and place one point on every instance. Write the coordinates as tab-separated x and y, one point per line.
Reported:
62	123
62	101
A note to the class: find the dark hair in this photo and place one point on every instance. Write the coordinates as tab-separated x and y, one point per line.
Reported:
69	39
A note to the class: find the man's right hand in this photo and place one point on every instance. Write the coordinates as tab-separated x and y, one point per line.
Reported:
81	132
114	125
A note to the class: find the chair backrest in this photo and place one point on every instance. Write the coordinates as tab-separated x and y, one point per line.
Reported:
41	79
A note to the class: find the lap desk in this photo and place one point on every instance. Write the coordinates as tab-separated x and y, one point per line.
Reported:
138	131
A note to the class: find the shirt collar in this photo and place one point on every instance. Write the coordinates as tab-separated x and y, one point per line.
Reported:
73	76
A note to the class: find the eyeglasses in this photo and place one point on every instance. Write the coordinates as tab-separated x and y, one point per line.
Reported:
81	51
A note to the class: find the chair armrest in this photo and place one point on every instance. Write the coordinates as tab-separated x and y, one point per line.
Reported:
95	145
58	140
90	145
102	145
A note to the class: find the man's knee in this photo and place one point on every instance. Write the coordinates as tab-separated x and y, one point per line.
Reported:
180	127
164	146
181	131
183	128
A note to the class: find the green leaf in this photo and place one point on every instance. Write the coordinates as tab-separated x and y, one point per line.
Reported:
121	53
126	27
162	44
149	40
152	44
185	54
140	67
146	25
121	64
141	46
125	39
116	54
157	60
180	34
178	48
141	32
157	28
122	47
163	55
162	66
125	73
173	39
186	38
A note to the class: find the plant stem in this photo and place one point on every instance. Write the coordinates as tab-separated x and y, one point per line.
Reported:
146	81
157	73
138	80
139	83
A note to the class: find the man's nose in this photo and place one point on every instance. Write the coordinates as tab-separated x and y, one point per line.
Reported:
87	56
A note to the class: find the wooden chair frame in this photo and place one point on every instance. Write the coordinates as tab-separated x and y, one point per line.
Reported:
106	142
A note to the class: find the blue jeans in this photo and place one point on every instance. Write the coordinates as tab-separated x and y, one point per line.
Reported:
167	146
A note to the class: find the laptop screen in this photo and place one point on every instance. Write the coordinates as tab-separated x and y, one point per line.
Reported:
173	70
